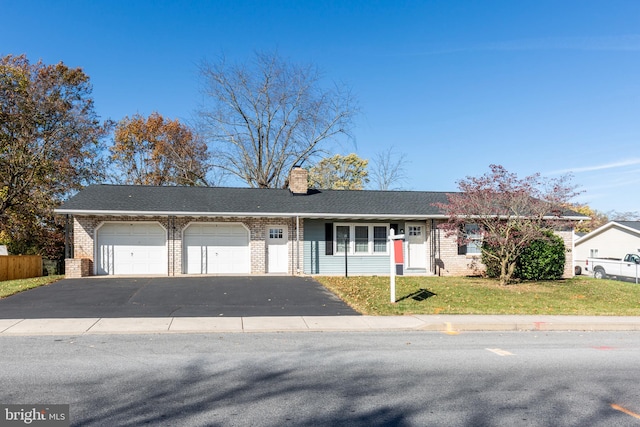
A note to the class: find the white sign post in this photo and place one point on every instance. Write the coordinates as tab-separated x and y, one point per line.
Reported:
392	262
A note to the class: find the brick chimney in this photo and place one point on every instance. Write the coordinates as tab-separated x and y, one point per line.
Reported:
298	180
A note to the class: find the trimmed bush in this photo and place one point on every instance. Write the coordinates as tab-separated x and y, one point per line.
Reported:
542	260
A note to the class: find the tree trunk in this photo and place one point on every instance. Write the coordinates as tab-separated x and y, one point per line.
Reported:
506	271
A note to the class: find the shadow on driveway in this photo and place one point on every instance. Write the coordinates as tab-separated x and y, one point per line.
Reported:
176	297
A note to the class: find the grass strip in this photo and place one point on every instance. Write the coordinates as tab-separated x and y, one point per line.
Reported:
466	295
11	287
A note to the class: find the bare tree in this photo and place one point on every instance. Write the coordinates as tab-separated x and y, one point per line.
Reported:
623	216
388	170
266	116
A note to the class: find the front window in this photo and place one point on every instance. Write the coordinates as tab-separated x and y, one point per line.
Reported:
361	239
473	237
342	238
379	239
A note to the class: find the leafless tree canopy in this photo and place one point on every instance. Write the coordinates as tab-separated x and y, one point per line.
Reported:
387	170
264	117
623	216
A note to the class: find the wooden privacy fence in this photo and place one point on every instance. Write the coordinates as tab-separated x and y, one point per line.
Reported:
20	267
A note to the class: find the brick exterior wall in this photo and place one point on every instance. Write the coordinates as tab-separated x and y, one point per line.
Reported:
84	229
441	251
443	254
83	232
567	237
78	267
449	263
298	181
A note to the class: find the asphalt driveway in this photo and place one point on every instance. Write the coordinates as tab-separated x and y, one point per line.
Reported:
175	297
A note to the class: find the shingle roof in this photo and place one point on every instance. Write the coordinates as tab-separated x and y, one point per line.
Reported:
225	201
631	224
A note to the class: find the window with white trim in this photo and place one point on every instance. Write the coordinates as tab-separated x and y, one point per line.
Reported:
473	238
276	233
361	239
343	238
380	239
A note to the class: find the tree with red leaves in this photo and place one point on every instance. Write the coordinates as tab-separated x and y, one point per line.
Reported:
510	213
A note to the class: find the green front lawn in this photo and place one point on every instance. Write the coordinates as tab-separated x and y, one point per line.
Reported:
10	287
465	295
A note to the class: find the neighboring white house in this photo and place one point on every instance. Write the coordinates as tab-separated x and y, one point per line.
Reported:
612	240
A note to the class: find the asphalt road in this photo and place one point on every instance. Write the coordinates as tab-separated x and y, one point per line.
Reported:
336	379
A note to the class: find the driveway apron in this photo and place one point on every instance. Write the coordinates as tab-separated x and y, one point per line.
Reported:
201	296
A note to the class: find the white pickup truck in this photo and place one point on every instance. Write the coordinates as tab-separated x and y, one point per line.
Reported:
601	268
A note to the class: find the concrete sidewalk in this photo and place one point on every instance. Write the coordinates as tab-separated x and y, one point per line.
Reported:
451	324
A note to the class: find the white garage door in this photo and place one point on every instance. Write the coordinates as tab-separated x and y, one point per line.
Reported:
132	249
217	249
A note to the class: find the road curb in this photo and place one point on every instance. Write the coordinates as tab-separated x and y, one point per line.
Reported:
445	324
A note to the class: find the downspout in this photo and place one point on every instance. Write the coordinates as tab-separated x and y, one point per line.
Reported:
438	265
173	245
573	252
433	246
67	248
436	247
298	244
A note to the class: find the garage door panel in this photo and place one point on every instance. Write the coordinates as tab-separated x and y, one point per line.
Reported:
196	259
132	249
222	242
105	260
217	249
227	259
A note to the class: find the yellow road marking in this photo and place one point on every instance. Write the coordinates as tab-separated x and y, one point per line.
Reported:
626	411
450	330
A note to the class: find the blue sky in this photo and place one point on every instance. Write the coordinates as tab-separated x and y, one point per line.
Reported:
536	86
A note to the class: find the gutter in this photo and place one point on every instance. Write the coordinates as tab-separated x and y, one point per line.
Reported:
309	215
